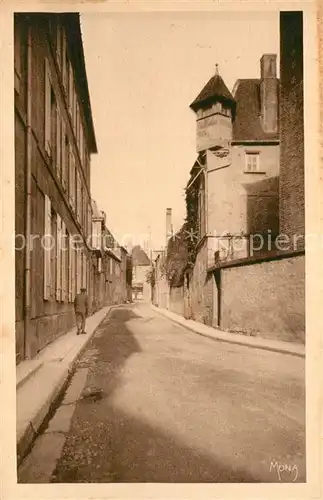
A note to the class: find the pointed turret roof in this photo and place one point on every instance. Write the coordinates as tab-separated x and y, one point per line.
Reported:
139	256
214	89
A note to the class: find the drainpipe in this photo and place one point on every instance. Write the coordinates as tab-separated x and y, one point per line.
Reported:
27	308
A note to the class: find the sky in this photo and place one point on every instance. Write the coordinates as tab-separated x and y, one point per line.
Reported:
144	70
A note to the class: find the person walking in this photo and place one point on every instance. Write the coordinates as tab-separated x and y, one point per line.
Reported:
81	308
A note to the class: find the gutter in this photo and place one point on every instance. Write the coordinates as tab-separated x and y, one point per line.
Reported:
27	270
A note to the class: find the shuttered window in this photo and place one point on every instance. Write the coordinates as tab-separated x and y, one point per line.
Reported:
63	257
64	63
72	177
46	247
81	145
78	271
78	201
70	89
63	154
70	255
59	45
48	92
74	274
58	257
84	270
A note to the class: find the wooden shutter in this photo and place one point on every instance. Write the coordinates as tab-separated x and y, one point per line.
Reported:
58	45
48	91
70	89
78	190
63	257
73	273
70	268
72	176
58	142
78	271
47	251
58	258
81	144
63	159
84	270
70	169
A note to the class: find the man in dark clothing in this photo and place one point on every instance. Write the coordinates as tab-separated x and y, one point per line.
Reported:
81	309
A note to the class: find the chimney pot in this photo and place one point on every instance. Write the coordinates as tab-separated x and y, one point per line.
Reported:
169	229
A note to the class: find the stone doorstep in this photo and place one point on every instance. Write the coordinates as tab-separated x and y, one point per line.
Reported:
42	380
233	338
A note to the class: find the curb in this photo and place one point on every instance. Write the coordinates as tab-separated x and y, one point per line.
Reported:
240	342
34	427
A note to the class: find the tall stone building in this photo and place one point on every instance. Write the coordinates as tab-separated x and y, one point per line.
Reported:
237	168
54	139
233	184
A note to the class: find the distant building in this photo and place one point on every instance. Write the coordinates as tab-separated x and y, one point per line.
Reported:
54	138
108	277
141	265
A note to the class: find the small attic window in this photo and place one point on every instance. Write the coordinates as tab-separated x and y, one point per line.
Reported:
225	110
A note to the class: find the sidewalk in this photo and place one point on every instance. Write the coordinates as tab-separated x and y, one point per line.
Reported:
41	381
233	338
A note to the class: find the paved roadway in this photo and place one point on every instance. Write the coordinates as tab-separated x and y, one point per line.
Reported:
163	404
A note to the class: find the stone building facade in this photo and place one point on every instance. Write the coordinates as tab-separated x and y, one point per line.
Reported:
248	180
141	265
108	283
237	166
54	138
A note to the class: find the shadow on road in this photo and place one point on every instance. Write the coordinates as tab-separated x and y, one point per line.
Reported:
108	445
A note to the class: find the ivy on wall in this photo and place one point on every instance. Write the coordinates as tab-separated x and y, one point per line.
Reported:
181	250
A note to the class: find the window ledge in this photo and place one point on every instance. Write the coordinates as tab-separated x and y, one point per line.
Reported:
262	172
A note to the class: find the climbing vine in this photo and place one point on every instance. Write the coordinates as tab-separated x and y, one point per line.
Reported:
191	221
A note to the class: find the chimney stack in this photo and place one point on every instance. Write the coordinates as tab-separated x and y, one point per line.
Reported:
269	93
169	227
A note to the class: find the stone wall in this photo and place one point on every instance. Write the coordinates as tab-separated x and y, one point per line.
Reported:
265	298
176	300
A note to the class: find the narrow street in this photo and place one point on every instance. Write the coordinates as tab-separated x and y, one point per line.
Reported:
158	403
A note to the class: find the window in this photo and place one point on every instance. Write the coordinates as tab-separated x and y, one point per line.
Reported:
54	129
46	247
72	177
225	110
64	263
252	162
201	207
48	108
58	290
79	258
65	157
53	255
70	269
70	89
66	66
